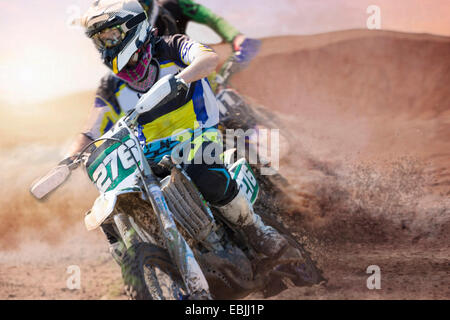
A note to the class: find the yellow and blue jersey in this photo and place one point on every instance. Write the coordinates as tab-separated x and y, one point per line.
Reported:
162	128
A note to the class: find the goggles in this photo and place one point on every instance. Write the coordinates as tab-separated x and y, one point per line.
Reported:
109	37
114	35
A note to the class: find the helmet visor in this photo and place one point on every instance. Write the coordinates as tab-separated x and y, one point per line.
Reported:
109	37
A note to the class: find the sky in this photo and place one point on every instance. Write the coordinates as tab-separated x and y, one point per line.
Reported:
44	57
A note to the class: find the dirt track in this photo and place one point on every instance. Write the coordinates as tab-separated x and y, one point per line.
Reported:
370	172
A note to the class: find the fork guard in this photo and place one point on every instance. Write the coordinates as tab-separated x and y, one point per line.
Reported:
104	206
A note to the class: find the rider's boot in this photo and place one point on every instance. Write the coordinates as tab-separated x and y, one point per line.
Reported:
263	239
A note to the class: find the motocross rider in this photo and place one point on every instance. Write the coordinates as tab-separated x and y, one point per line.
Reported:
172	17
123	35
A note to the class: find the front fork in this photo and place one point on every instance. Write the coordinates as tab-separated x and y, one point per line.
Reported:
178	248
128	234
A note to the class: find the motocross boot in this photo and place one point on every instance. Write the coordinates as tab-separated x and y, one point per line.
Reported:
263	239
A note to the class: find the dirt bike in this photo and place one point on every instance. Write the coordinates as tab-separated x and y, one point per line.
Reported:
175	245
238	111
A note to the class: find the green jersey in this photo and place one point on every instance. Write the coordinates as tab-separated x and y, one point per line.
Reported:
175	14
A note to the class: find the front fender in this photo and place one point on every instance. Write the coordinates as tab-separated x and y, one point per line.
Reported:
103	207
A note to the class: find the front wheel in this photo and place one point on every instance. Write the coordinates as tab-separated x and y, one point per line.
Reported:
149	274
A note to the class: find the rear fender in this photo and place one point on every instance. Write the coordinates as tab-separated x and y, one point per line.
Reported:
103	207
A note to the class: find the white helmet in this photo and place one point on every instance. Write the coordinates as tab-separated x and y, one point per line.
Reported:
119	29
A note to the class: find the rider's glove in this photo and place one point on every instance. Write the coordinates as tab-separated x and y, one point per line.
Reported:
237	42
181	84
245	48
